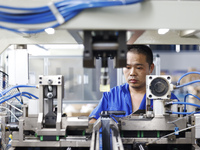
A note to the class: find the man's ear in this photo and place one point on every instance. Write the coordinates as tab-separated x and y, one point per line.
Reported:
151	68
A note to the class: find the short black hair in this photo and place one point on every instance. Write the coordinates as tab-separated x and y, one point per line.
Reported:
142	49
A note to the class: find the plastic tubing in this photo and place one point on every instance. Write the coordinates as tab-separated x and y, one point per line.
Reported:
8	97
41	30
68	9
193	72
195	81
185	103
17	86
184	113
15	96
30	94
185	100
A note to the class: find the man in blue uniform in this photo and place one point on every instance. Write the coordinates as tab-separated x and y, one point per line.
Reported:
130	96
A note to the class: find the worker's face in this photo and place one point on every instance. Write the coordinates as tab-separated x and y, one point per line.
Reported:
136	70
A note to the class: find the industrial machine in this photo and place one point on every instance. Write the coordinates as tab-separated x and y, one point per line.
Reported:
165	124
50	128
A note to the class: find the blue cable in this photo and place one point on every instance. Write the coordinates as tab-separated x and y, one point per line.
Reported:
185	100
185	103
9	97
19	100
17	86
67	8
25	94
193	72
30	95
195	81
15	96
184	113
39	30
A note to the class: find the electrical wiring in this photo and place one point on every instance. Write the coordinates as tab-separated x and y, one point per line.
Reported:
172	134
10	112
193	72
185	99
67	9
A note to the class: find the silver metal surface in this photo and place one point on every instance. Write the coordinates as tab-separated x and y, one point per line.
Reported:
35	143
92	144
97	141
155	124
40	120
158	108
74	121
3	129
30	123
161	141
117	142
75	141
156	62
21	130
56	80
197	129
51	132
58	121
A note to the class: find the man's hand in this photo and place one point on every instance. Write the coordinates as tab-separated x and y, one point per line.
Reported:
93	120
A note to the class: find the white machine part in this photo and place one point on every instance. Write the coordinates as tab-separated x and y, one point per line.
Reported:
33	107
197	128
158	87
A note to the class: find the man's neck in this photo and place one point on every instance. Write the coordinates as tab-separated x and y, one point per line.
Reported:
137	90
137	95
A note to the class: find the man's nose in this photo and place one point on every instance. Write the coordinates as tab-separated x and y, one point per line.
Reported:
133	72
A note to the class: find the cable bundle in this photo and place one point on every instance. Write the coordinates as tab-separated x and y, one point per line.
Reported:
59	11
4	98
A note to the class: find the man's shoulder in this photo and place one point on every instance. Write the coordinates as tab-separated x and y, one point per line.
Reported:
119	88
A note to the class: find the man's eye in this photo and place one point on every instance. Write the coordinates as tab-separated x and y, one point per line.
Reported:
128	67
139	67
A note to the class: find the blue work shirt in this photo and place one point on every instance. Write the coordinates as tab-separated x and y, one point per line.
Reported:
118	99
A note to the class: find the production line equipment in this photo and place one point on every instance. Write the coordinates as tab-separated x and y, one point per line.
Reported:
164	125
50	128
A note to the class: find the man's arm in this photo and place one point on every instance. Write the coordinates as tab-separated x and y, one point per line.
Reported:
93	120
102	106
